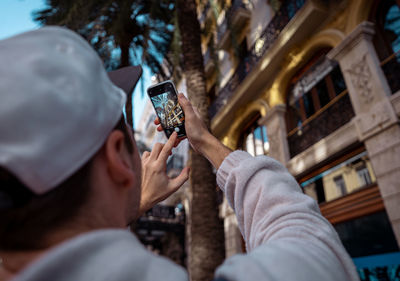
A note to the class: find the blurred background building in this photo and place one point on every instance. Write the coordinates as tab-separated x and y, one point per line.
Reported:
316	85
162	229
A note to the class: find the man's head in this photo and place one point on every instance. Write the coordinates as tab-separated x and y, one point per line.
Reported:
64	147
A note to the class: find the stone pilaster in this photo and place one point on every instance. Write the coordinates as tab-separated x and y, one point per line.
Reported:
376	121
275	123
233	237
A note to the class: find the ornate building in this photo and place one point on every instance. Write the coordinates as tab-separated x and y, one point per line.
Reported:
316	85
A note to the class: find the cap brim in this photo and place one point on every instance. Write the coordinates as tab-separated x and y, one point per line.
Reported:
126	78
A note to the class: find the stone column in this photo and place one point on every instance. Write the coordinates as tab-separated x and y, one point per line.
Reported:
376	121
275	123
233	237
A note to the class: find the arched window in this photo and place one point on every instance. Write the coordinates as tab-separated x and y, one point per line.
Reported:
254	138
317	103
386	16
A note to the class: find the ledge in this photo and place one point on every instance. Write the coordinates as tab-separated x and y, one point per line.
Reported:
329	146
363	202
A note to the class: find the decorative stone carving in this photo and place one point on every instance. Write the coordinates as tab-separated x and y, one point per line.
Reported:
362	80
377	119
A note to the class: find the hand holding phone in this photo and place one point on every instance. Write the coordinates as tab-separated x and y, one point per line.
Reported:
165	102
200	139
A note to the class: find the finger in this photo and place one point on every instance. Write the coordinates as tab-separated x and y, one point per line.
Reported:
166	150
157	121
156	150
145	155
185	104
178	141
181	179
159	128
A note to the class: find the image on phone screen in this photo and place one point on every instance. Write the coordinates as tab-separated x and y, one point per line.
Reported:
169	111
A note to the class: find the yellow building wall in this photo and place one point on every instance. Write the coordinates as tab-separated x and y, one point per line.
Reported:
350	178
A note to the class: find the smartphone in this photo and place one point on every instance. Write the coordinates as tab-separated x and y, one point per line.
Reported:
164	98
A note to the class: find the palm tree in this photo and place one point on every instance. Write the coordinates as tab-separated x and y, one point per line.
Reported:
206	233
123	32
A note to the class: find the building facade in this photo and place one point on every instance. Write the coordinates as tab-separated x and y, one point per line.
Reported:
315	84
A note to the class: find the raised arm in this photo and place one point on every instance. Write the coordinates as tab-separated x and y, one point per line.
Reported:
286	236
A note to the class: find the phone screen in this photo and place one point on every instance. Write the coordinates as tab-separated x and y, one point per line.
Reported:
168	110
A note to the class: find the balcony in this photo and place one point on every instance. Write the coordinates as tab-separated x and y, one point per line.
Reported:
209	65
335	114
282	17
236	17
391	68
205	14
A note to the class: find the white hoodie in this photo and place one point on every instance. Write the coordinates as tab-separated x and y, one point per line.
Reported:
286	237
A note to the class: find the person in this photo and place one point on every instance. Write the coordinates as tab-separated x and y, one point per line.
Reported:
71	179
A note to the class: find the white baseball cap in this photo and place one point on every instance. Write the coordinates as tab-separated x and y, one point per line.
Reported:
57	105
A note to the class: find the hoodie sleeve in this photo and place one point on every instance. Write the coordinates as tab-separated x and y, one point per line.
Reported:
286	236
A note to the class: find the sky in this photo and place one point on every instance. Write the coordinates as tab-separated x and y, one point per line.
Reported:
16	17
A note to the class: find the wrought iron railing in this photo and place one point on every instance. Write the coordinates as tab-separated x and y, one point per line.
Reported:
207	56
256	52
331	117
391	68
204	13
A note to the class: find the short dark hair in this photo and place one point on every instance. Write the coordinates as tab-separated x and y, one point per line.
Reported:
30	217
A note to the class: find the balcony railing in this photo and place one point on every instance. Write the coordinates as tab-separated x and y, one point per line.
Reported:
236	15
256	52
331	117
208	61
204	13
391	68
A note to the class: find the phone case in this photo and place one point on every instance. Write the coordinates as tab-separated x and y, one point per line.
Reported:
165	102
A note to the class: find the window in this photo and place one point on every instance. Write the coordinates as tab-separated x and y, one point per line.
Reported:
339	178
254	138
368	235
337	80
363	175
386	16
312	89
340	185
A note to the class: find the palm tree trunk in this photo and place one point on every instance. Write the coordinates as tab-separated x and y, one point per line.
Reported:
206	248
124	53
125	46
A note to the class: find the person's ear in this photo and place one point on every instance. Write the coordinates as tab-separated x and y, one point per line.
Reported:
119	161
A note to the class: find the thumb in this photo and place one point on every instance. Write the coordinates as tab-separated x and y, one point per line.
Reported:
185	104
181	179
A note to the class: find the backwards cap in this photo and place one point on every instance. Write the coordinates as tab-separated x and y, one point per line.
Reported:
57	105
